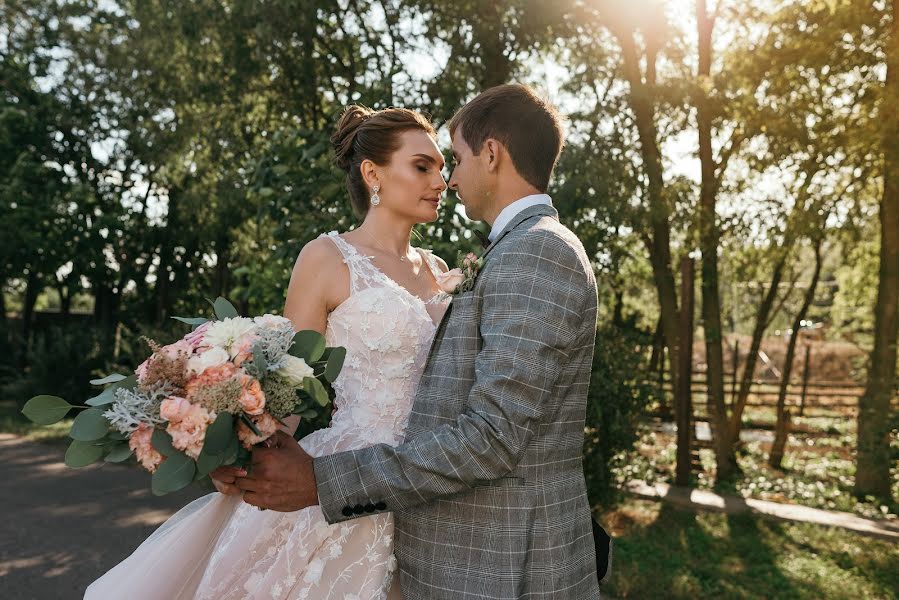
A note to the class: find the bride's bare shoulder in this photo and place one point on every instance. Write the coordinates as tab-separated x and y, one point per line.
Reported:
319	255
319	270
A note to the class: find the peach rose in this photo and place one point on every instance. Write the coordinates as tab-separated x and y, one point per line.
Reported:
252	398
174	408
189	432
146	454
450	280
265	423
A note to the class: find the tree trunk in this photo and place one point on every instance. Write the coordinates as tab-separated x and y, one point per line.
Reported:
683	401
782	428
33	288
872	475
658	211
709	240
732	435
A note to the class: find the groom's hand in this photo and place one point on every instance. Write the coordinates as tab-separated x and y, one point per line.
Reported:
281	477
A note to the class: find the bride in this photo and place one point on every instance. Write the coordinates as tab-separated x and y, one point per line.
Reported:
367	290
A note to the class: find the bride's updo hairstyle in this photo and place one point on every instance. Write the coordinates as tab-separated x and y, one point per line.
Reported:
363	133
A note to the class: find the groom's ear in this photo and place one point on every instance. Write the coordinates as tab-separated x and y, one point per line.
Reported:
491	152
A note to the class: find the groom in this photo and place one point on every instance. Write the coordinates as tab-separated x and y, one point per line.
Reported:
488	490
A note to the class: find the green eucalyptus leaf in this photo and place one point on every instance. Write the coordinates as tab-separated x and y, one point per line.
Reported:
80	454
89	426
46	410
230	453
206	463
316	390
162	442
107	396
335	363
119	453
308	345
219	434
195	321
224	309
173	474
115	377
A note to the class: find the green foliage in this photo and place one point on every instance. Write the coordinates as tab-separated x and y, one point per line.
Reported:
617	400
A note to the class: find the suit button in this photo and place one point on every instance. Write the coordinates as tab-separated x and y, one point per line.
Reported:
358	510
369	507
380	506
347	511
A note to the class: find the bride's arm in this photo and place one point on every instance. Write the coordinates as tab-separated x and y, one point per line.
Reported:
319	283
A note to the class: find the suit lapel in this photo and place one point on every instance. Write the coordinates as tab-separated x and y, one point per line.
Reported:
533	211
542	210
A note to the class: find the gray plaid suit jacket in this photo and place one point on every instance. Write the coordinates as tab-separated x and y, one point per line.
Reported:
488	489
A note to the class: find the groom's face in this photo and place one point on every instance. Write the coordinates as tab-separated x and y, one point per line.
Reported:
468	178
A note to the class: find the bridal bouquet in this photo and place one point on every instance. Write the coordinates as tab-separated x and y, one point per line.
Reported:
203	401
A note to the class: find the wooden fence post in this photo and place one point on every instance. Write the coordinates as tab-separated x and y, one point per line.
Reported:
805	376
683	405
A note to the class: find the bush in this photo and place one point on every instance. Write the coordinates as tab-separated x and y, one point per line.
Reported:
618	399
58	361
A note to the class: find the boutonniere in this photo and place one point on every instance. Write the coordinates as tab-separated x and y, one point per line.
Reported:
461	279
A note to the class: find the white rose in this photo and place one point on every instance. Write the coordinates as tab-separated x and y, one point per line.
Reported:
271	321
213	357
294	370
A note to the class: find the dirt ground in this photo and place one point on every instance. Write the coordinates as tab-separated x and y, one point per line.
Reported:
64	527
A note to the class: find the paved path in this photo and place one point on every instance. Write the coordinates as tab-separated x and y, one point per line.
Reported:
704	500
61	528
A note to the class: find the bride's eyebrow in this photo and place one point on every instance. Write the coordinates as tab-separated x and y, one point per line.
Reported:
429	159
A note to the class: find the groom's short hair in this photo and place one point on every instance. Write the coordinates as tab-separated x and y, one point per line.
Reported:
528	126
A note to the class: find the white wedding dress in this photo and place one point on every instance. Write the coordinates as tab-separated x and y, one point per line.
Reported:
219	548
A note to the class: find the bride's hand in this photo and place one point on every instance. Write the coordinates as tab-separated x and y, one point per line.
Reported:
223	479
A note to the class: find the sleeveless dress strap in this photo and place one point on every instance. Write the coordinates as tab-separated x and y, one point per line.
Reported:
360	276
431	260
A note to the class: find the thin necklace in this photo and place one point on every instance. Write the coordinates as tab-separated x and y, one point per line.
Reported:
383	249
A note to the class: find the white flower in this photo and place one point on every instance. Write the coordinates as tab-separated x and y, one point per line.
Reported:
271	321
225	333
314	571
213	357
294	370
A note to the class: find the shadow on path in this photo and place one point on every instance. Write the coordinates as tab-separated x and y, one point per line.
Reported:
64	527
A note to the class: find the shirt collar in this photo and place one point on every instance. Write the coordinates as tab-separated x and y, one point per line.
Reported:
509	212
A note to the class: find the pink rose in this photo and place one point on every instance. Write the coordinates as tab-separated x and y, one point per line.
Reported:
252	398
194	339
174	408
470	259
450	280
144	451
141	370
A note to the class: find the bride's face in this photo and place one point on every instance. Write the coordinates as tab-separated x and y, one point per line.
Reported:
412	184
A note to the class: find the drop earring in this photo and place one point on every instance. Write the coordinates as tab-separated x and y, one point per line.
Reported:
375	198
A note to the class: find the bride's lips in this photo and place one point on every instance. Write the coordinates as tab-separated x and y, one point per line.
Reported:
434	201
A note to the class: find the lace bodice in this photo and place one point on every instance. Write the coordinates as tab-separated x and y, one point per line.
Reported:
387	332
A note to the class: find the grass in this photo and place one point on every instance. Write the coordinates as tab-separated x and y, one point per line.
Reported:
818	468
664	552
